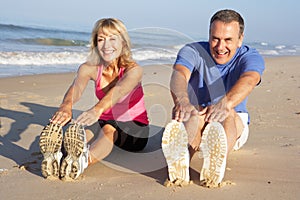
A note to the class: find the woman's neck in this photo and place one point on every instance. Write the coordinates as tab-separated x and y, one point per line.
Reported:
113	64
110	68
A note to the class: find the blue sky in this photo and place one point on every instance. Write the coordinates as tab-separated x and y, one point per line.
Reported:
274	21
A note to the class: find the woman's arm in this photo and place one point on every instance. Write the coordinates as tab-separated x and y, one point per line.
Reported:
64	114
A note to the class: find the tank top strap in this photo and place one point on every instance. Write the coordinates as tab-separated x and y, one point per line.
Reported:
99	75
121	73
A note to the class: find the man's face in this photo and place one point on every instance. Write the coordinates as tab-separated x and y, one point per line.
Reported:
224	39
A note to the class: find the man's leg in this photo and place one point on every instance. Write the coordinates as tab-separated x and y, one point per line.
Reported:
194	127
233	126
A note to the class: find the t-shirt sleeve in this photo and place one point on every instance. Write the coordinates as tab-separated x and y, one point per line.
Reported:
188	57
253	61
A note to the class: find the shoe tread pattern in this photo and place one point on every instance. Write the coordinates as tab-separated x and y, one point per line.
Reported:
50	143
74	142
214	151
175	150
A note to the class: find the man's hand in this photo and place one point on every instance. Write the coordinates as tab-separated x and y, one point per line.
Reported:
218	112
183	110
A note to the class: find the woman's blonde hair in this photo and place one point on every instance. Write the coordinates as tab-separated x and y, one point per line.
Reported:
110	26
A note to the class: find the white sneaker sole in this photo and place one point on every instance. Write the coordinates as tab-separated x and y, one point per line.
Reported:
74	142
175	149
50	144
214	152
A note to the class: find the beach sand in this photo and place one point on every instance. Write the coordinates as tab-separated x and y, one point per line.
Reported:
267	167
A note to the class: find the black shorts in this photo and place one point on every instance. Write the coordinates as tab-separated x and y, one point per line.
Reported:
134	134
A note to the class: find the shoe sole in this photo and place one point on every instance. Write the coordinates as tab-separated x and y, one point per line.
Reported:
214	152
74	145
50	143
175	149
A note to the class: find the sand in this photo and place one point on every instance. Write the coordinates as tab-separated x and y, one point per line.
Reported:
267	167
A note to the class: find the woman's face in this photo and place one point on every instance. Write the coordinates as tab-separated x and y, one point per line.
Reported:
109	46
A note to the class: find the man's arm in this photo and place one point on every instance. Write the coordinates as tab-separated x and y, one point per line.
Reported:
178	85
236	95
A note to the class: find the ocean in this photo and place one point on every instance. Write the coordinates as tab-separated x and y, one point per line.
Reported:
26	50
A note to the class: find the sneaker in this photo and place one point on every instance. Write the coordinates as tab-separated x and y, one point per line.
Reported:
175	149
77	153
214	151
50	146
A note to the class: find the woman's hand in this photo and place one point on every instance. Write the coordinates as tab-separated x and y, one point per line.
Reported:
62	116
88	117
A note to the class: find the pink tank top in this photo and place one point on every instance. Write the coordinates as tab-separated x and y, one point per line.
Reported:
129	108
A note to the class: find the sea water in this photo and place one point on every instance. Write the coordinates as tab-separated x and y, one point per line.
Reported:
28	50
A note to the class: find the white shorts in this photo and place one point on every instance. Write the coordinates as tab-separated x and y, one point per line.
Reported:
244	136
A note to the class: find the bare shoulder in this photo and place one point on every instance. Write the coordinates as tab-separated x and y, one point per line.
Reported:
134	69
88	71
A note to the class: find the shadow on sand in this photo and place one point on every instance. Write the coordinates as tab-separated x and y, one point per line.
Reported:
149	162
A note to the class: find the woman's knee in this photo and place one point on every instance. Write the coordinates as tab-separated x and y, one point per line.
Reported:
109	132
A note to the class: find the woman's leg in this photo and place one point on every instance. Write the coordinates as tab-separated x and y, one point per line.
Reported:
103	145
133	136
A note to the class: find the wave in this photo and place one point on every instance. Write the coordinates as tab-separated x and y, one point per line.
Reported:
143	56
13	35
11	27
52	42
16	63
41	58
14	28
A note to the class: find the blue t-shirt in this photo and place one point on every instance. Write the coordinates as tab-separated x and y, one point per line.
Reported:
209	81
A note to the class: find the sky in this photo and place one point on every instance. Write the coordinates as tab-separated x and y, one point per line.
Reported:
273	21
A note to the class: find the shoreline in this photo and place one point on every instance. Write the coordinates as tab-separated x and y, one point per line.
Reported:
267	167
